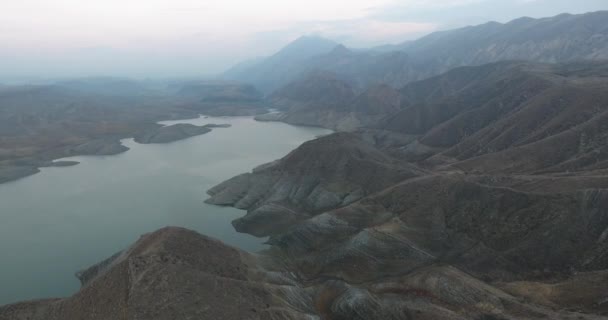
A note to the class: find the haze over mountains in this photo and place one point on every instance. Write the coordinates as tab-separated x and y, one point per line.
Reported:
557	39
467	180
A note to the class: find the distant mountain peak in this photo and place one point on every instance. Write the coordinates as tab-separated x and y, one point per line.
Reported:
307	46
525	20
312	39
340	49
270	73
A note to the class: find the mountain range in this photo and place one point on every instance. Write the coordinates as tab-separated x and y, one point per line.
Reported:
467	179
563	38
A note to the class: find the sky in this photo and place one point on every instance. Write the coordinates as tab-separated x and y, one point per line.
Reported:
188	38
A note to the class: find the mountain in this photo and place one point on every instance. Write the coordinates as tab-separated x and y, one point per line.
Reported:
499	117
483	184
169	274
323	99
318	176
477	193
563	38
316	95
436	244
511	117
480	193
279	68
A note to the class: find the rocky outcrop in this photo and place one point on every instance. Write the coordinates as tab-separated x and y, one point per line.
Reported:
172	274
174	132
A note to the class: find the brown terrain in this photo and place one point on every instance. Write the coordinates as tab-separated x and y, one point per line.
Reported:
492	177
174	273
480	193
363	225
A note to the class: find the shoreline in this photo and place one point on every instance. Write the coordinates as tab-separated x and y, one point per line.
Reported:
111	146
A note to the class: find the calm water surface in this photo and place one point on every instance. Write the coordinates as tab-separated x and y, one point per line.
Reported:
61	220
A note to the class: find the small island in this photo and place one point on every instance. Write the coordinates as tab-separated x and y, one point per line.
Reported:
174	132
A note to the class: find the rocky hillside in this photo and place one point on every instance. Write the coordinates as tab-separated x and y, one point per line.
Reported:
174	274
500	117
320	175
437	244
488	179
510	117
177	274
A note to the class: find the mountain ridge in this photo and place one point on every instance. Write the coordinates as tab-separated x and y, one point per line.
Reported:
562	38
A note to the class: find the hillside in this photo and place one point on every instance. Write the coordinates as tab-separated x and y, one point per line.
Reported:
500	117
527	117
492	176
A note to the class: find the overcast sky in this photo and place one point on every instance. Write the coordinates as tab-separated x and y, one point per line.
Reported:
158	38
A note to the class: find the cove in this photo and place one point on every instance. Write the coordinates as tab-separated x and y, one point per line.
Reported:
62	220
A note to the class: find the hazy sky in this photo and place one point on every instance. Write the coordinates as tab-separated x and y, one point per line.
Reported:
158	38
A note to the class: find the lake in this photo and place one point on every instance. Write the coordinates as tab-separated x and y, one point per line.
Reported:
66	219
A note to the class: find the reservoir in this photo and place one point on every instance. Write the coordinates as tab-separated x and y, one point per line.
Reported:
62	220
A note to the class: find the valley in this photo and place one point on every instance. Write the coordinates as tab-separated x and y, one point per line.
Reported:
463	175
